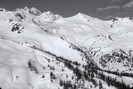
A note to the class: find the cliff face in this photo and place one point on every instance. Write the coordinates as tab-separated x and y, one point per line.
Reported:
47	51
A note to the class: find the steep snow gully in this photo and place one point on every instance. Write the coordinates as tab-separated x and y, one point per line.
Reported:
47	51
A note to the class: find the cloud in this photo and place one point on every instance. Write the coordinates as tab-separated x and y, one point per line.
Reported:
108	8
116	8
128	5
116	0
123	5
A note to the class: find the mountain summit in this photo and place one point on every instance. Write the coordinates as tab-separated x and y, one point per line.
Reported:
43	50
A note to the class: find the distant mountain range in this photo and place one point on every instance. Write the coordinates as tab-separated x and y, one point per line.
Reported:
43	50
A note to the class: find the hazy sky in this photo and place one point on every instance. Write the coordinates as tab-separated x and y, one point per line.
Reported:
99	8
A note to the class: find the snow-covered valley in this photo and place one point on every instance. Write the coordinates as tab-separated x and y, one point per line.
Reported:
47	51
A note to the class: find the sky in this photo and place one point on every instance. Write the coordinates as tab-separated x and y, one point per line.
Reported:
66	8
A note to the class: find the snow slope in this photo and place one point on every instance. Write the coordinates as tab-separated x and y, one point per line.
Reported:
47	51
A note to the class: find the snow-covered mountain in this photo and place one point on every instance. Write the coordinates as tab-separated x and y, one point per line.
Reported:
43	50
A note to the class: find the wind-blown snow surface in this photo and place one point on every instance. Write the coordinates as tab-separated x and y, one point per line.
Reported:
47	51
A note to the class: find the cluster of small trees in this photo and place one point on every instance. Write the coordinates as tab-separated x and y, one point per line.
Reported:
119	56
17	27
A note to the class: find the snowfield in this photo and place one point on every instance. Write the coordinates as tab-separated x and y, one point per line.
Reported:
47	51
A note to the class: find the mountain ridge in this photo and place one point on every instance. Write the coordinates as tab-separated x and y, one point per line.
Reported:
43	50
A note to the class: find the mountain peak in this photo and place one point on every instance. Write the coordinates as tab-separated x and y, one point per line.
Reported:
82	16
32	10
35	11
47	16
